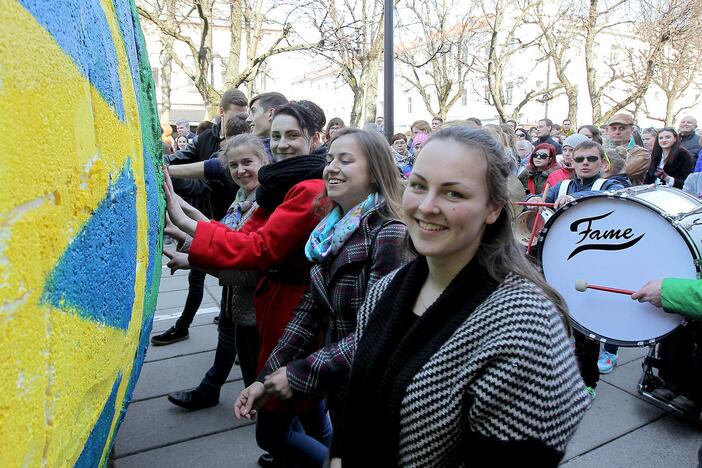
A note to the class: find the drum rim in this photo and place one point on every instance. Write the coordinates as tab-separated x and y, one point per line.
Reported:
625	343
696	260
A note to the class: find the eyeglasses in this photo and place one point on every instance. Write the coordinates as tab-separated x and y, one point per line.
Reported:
592	159
541	155
520	135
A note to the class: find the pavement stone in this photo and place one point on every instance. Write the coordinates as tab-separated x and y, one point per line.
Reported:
668	442
231	449
173	283
626	377
166	318
215	292
613	414
159	378
203	338
170	299
152	424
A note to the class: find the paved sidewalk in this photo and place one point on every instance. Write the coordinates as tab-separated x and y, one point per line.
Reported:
620	430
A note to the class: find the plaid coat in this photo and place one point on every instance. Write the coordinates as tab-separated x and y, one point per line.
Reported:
337	289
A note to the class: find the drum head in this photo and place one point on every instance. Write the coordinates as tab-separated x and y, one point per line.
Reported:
619	243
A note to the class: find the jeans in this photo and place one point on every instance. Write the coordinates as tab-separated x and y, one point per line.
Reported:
196	289
276	433
224	356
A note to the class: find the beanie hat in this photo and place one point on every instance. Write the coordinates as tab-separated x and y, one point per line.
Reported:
574	140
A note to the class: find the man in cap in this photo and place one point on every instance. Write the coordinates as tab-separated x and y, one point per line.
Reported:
619	130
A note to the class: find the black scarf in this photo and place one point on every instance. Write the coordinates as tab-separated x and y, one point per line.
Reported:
278	178
387	359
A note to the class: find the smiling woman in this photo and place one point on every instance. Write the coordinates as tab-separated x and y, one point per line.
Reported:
457	352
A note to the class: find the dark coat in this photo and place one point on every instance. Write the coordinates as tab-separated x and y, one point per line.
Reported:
212	197
679	165
550	141
691	143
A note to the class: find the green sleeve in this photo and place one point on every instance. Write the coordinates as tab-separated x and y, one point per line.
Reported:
682	296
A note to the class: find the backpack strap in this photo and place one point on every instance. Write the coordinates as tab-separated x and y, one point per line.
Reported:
563	189
597	186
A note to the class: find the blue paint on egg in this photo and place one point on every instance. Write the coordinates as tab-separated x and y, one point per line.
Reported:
95	275
91	455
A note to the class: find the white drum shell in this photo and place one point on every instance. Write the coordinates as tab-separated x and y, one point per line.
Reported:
663	240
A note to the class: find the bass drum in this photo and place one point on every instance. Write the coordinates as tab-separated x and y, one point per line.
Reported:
622	239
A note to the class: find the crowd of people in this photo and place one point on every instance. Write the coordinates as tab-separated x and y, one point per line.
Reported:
366	280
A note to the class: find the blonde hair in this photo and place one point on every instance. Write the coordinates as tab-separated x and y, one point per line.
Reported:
244	139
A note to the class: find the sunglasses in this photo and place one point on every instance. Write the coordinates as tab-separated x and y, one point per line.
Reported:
541	155
592	159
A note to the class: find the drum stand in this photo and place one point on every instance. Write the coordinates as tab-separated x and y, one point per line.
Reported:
650	382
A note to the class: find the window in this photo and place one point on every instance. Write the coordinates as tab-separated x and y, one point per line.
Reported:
409	104
464	100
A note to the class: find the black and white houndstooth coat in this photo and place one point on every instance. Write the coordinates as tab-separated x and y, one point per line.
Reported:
506	375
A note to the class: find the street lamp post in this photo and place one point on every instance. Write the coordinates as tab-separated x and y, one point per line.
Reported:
388	72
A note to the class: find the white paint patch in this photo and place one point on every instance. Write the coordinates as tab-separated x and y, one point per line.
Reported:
86	170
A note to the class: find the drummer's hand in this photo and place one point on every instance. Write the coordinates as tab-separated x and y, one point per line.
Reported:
535	199
650	292
560	201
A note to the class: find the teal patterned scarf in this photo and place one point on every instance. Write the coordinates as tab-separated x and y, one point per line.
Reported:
334	230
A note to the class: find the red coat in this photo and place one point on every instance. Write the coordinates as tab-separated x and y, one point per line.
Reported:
269	241
557	176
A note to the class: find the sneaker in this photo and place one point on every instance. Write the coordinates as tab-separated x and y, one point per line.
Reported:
606	362
172	335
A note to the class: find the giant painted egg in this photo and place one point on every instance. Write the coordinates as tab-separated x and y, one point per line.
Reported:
80	225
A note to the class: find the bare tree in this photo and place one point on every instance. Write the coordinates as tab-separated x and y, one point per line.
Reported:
352	34
247	21
677	73
506	37
559	38
165	8
624	78
435	52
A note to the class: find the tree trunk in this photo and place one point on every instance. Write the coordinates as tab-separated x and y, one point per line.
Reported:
356	107
370	104
590	70
166	62
235	31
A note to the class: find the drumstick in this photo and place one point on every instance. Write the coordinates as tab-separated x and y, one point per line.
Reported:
523	203
581	285
536	219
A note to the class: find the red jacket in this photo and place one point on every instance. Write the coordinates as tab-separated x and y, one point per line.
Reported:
270	241
557	176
